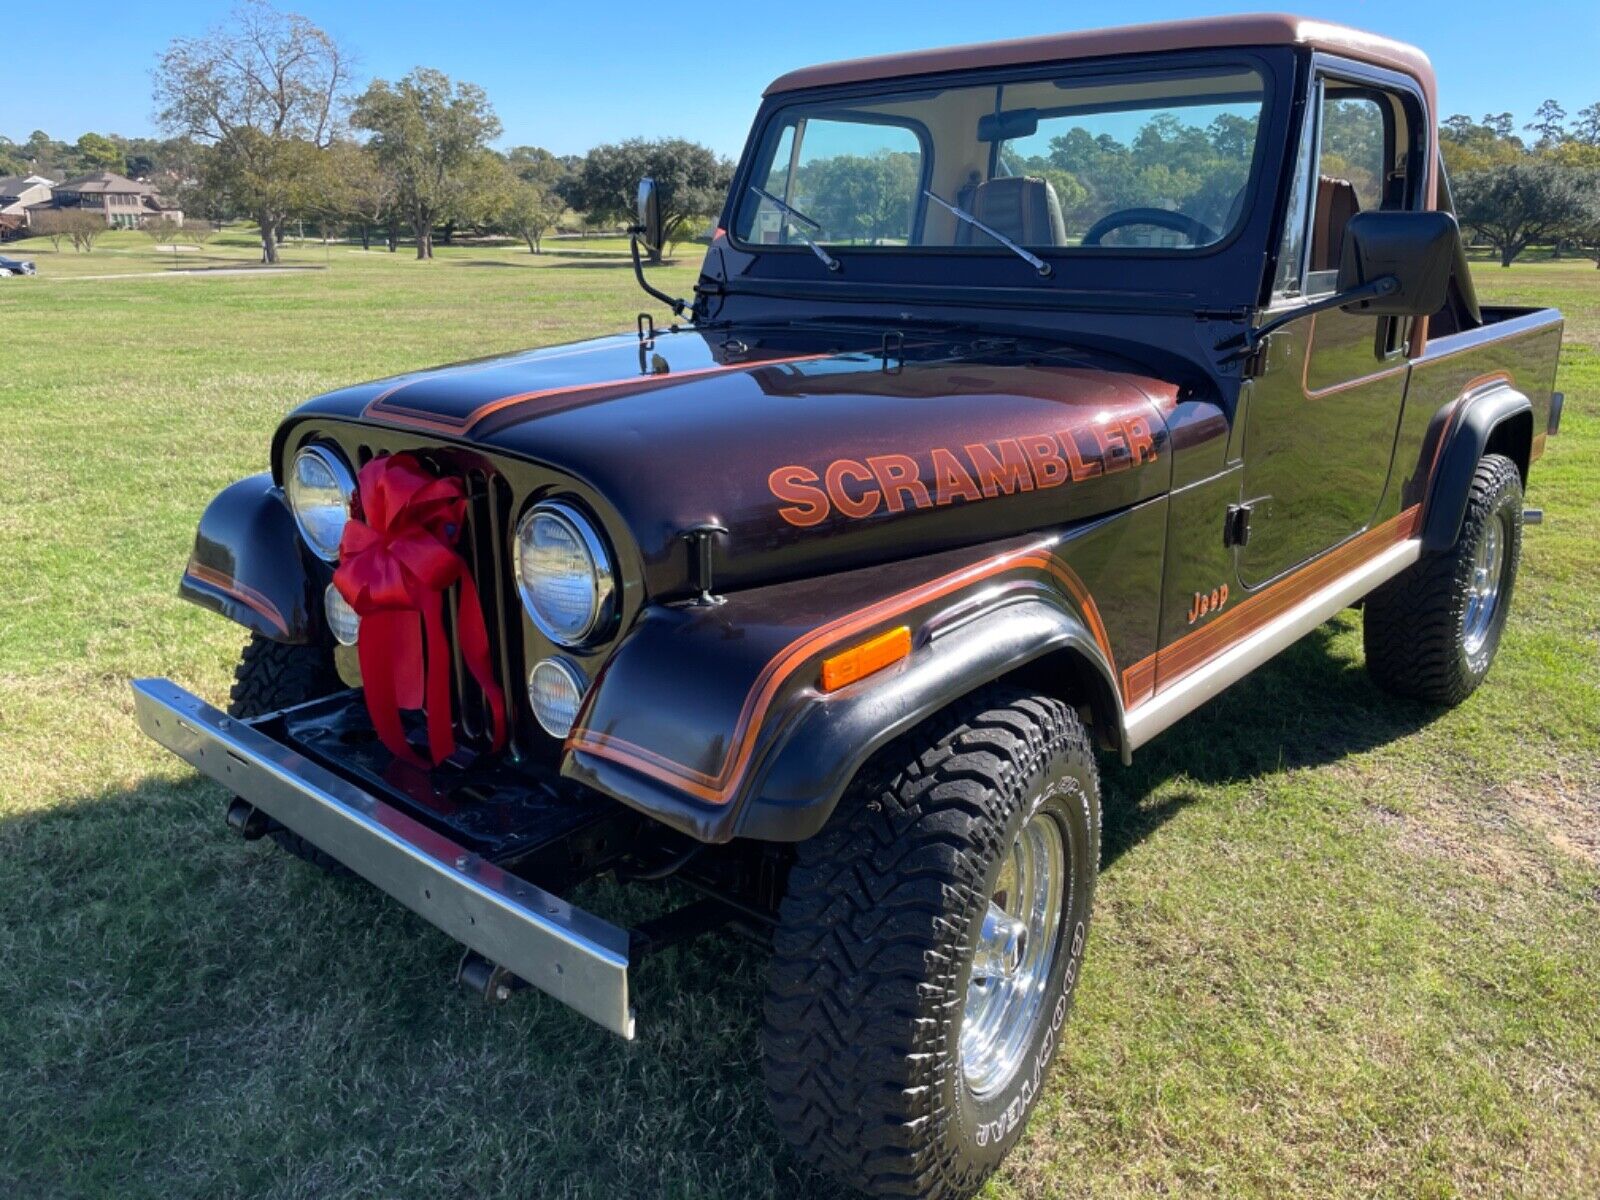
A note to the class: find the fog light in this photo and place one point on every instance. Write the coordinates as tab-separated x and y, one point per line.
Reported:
555	689
342	619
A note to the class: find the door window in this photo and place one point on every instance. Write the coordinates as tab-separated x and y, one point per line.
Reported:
1360	138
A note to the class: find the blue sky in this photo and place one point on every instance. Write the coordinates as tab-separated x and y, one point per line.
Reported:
569	76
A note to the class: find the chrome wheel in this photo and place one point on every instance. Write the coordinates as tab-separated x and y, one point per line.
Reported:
1015	952
1483	592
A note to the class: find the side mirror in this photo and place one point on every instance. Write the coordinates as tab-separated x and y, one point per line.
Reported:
1417	250
649	226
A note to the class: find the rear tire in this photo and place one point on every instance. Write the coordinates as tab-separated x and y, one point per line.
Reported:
1431	632
277	675
907	1033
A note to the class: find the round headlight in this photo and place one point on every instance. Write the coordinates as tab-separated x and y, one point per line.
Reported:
555	689
563	573
319	488
343	621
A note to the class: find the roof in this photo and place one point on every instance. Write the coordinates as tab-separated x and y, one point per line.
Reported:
102	182
1266	29
11	185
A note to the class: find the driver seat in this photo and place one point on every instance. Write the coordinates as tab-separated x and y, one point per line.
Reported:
1025	209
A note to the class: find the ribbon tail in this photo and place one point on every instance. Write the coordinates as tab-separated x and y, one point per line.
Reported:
376	649
474	640
441	733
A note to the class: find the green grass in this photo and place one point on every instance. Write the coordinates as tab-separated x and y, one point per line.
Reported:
1344	946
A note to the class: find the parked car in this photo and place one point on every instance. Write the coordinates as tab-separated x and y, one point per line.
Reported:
974	453
16	266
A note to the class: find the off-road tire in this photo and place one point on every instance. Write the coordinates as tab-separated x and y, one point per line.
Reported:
275	675
1414	626
873	951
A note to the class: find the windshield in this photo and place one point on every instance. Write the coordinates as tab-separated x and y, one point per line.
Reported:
1157	160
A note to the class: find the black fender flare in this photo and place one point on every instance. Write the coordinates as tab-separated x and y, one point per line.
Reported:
799	781
1477	417
250	565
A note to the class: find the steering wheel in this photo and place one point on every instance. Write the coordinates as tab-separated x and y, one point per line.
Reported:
1199	233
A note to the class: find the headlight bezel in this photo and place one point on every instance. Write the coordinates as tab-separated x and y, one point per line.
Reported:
603	599
343	479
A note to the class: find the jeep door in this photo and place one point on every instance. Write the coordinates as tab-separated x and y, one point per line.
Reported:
1324	406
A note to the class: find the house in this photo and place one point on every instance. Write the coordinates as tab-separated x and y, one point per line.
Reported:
124	203
17	194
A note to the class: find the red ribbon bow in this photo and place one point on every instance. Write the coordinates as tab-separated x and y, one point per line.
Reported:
396	561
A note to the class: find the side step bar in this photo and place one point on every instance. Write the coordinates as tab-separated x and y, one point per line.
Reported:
568	953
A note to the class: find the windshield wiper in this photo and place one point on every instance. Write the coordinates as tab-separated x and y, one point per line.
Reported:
1033	260
828	260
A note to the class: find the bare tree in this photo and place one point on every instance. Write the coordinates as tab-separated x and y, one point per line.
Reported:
430	134
52	225
164	232
263	90
82	228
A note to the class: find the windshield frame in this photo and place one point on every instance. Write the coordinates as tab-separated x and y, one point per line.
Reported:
776	112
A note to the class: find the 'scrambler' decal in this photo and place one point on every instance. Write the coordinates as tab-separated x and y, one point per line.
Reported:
860	488
720	787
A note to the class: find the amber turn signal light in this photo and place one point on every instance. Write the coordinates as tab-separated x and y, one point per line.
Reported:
861	661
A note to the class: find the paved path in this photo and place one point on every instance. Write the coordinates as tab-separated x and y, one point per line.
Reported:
186	271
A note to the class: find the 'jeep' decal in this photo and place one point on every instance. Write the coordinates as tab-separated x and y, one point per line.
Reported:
893	482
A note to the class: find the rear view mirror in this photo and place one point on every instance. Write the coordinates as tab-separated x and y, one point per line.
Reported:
1416	249
649	204
1004	126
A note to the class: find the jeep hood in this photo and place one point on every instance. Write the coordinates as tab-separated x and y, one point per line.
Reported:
816	451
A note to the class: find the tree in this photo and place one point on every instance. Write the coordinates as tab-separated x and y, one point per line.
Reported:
528	209
1586	128
1468	145
96	152
429	133
51	224
164	232
691	182
1514	205
1586	229
263	90
362	190
1549	122
81	228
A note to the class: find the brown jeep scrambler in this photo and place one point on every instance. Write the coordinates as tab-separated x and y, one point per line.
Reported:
1030	394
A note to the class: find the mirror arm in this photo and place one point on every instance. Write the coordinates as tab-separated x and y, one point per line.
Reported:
1251	339
681	307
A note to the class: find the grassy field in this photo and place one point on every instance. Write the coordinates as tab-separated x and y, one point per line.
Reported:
1345	946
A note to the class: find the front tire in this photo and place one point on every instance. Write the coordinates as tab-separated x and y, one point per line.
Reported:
1431	632
928	948
278	675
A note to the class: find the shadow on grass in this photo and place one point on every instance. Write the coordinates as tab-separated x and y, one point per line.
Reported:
1309	706
182	1013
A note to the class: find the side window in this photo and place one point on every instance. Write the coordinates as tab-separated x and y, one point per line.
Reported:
1359	166
859	181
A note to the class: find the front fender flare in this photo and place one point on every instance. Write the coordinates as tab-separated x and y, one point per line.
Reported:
1476	418
798	783
249	564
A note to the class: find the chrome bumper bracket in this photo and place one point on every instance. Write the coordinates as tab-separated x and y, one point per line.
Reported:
539	937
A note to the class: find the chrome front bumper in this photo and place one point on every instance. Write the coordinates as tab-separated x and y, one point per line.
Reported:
570	954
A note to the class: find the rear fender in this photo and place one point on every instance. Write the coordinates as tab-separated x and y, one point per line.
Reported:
250	565
1495	418
712	718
